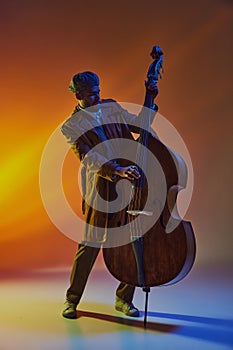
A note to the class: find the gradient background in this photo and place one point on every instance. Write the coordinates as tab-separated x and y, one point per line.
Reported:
44	43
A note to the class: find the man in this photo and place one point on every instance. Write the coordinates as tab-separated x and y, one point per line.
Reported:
93	122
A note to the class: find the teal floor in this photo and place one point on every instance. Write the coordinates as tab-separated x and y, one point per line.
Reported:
196	313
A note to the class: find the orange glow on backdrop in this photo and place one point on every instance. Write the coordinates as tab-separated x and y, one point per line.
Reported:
46	43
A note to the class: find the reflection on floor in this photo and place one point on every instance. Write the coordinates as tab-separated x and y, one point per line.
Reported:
196	313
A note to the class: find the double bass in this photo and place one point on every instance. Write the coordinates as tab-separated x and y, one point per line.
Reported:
165	253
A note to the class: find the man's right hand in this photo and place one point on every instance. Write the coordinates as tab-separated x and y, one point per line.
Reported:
130	172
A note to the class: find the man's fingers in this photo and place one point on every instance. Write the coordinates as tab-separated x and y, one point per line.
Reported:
132	172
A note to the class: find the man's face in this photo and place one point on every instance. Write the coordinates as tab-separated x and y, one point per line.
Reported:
89	97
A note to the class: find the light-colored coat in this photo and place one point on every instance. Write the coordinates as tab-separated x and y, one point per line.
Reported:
97	145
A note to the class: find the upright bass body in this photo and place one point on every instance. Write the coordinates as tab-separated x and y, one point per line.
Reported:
164	253
168	247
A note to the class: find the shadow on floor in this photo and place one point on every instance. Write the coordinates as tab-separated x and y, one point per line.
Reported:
205	328
198	319
158	327
214	330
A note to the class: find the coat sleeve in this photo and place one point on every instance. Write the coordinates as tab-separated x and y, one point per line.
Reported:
90	159
94	161
134	121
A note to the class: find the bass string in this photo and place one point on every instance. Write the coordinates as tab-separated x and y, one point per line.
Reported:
136	191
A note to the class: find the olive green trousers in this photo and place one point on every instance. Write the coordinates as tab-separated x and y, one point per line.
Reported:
82	265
